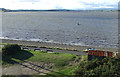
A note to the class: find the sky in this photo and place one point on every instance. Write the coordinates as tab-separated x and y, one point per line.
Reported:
59	4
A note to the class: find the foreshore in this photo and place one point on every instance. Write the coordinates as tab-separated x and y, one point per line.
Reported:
55	45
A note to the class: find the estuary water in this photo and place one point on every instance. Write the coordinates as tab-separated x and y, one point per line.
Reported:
85	28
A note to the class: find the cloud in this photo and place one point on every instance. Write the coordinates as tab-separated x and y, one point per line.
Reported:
58	4
29	0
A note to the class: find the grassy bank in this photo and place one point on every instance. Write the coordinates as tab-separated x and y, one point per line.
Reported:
40	56
59	61
62	63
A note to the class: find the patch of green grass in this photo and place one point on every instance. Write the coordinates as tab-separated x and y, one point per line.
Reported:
59	59
85	57
67	71
3	43
0	48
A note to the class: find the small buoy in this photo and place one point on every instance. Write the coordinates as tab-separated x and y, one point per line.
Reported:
78	24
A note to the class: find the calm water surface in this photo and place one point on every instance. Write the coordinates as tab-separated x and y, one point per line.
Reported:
76	28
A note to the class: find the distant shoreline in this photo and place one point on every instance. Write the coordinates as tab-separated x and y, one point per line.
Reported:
55	45
56	10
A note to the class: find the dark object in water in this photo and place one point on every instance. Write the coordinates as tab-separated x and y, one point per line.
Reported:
78	23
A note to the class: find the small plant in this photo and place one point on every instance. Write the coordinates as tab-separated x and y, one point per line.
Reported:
44	51
11	49
118	55
56	53
61	63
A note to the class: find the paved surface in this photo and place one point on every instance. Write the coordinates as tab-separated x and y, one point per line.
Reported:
44	44
79	53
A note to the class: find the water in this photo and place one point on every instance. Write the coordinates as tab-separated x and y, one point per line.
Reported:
76	28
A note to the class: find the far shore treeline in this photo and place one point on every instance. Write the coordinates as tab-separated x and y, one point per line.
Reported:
33	10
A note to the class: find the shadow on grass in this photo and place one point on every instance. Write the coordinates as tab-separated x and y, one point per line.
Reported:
23	55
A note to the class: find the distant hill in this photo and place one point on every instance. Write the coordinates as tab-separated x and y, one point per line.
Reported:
26	10
38	10
2	9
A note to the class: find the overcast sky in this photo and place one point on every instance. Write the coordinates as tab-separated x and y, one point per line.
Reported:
58	4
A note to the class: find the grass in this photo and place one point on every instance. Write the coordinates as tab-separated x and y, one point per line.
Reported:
85	57
71	70
3	43
0	48
59	59
67	71
18	57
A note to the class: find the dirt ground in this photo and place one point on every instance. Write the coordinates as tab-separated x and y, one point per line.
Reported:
27	68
